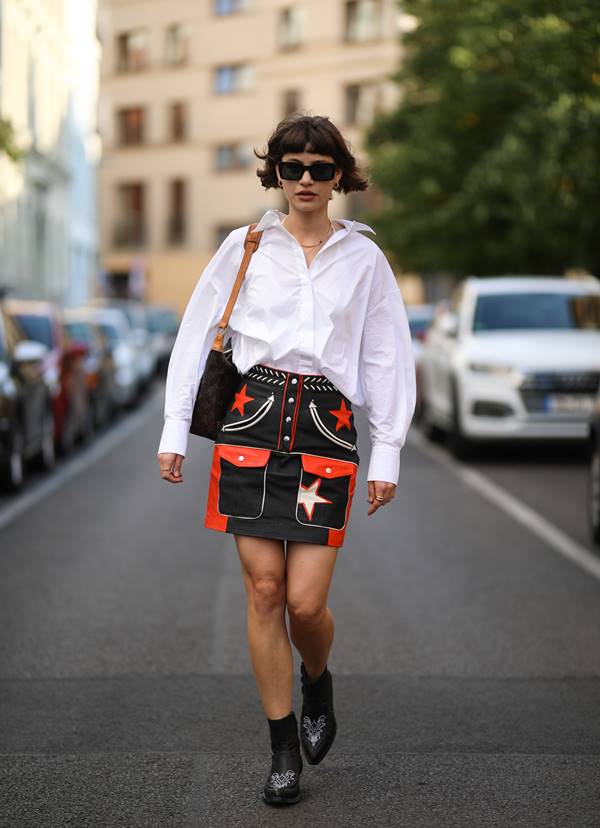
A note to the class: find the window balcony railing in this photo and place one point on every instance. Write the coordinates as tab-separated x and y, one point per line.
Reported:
130	233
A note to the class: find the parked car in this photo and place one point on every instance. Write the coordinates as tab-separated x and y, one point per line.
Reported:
127	378
140	337
79	326
63	369
593	488
163	324
513	358
26	415
420	318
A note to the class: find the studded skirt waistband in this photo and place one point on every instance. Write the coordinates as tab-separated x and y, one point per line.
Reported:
277	377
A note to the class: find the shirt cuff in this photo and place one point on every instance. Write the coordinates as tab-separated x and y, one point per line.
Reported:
384	464
174	437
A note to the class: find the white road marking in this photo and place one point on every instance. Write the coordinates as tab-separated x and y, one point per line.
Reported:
85	457
516	509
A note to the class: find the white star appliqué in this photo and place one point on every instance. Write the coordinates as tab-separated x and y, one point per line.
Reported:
308	496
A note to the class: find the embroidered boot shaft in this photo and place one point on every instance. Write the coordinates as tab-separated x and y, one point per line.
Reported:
283	784
318	723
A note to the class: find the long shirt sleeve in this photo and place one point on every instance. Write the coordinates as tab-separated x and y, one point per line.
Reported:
195	336
387	372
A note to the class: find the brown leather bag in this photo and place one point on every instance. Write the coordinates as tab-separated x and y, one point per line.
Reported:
220	376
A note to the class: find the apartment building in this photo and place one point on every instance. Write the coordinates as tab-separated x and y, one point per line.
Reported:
49	75
189	88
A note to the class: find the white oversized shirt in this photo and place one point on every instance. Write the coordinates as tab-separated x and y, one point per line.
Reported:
343	317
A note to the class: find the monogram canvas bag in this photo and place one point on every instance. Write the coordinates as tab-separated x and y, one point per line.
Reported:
220	376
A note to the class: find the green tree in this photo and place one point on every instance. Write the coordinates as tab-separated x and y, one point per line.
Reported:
490	162
8	144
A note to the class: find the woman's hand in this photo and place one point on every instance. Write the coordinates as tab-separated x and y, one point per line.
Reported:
170	466
382	489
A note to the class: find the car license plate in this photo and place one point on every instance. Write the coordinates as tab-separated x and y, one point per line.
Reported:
570	403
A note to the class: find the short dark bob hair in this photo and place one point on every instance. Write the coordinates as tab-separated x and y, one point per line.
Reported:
299	132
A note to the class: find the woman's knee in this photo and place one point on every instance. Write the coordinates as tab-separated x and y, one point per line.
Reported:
266	593
305	610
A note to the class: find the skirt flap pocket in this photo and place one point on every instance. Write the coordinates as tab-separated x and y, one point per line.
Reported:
240	480
327	466
325	491
244	456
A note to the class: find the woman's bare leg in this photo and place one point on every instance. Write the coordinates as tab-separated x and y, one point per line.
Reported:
264	571
309	572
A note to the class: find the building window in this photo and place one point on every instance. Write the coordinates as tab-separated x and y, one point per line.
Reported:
176	221
178	122
130	125
363	20
132	50
233	156
176	45
130	228
363	102
291	27
232	77
291	101
223	7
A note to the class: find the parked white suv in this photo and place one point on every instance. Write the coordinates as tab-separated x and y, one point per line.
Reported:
512	357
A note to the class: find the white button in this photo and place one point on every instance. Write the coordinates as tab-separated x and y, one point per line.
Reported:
328	470
294	380
288	419
286	437
290	399
241	457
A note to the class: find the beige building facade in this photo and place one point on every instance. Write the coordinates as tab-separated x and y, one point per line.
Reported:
189	89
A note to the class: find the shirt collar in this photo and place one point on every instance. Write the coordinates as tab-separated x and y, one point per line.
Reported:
274	217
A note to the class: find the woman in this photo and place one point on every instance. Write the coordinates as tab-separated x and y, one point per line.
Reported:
319	325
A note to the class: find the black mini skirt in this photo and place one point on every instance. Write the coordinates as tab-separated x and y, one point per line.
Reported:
285	460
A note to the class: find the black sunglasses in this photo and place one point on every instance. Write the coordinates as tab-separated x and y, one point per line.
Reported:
294	170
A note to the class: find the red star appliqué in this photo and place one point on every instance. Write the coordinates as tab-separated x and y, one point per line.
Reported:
241	398
343	415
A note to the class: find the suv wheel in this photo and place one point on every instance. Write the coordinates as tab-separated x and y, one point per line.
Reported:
89	423
594	493
431	431
12	471
460	446
67	438
47	455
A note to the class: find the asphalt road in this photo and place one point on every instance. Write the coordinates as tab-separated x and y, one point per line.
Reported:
466	661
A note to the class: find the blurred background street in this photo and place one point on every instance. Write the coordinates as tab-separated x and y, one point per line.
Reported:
466	661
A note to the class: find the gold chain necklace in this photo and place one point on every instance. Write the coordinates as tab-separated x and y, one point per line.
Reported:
319	242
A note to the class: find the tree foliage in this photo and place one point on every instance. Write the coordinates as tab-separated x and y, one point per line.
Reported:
8	144
490	162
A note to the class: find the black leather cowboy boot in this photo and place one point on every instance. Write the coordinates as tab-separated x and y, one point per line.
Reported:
283	784
317	722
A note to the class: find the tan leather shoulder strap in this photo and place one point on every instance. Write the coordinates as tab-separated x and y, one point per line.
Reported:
251	243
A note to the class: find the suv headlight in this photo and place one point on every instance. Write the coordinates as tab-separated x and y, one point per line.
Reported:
510	372
490	368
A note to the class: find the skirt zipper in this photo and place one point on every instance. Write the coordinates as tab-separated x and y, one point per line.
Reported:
258	415
324	430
